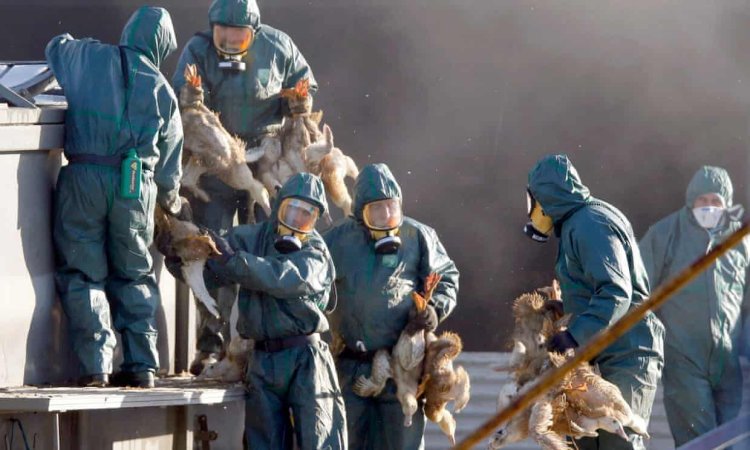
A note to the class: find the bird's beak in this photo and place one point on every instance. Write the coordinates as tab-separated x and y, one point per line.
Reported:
621	432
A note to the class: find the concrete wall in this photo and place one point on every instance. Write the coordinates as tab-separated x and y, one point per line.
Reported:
33	338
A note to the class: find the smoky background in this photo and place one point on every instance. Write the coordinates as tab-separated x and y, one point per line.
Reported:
460	98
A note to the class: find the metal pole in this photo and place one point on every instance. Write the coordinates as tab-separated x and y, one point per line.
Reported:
603	339
56	431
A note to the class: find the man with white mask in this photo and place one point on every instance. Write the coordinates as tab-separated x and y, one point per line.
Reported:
702	376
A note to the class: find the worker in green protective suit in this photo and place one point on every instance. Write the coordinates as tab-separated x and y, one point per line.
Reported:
243	65
285	274
602	277
702	375
381	257
122	124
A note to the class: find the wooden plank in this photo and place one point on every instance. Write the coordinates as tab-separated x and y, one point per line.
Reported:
30	399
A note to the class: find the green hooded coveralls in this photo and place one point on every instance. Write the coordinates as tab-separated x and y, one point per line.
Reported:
250	105
102	239
373	307
702	374
281	296
601	276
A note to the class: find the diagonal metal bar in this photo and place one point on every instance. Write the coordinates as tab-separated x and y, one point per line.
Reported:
14	98
603	339
721	437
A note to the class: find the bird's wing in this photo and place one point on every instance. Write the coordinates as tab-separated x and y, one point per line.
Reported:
409	351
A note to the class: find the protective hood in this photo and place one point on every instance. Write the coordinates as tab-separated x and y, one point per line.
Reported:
305	186
375	182
555	184
709	179
150	32
236	13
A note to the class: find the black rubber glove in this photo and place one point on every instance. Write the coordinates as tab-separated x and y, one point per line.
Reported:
174	266
561	342
300	106
223	245
185	213
428	318
555	307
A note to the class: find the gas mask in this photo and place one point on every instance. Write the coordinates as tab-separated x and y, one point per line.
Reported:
383	219
296	220
232	44
539	228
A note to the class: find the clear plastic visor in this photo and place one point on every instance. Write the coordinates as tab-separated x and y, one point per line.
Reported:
232	40
298	214
383	214
530	202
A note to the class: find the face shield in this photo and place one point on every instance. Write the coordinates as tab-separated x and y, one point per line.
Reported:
540	227
232	44
298	215
297	218
383	214
383	218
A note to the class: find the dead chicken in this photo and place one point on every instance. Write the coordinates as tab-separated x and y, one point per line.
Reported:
404	364
209	148
535	324
231	366
548	422
442	383
299	129
326	160
582	403
185	240
596	398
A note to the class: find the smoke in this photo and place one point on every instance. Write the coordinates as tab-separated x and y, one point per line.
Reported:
460	98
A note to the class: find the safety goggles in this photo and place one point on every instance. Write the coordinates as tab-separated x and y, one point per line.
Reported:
232	40
383	214
298	215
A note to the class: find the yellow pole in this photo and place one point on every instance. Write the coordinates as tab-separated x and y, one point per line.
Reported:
603	339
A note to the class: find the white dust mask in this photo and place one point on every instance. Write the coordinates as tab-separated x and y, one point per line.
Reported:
708	216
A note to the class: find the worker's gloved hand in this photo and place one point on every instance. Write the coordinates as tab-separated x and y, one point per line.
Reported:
300	106
177	207
174	266
223	245
561	342
427	319
186	211
555	307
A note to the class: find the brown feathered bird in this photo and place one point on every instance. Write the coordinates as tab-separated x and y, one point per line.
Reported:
299	129
595	398
535	324
209	148
185	240
443	383
232	364
579	405
326	160
404	364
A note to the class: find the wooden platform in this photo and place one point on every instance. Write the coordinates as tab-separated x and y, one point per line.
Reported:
168	392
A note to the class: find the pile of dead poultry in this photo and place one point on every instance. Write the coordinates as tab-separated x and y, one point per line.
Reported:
299	146
578	406
421	365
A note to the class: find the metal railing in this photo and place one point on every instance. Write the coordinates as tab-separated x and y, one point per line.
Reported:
731	433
